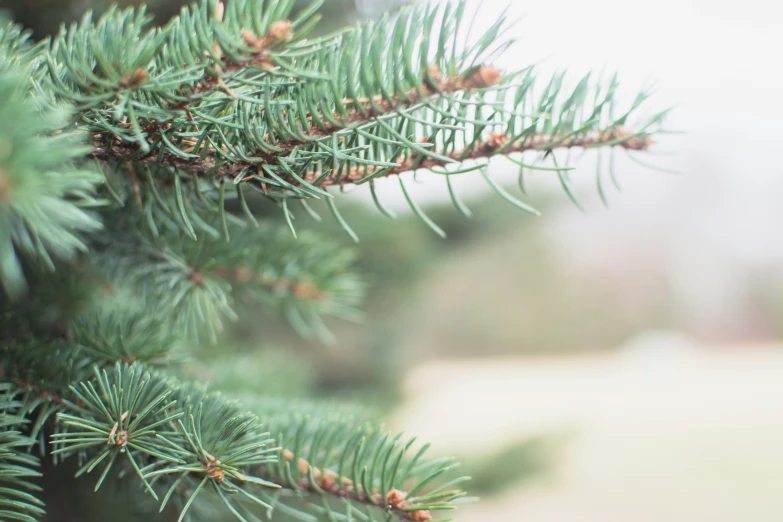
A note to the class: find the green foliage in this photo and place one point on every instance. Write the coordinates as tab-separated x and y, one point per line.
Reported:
116	416
329	456
44	201
177	437
239	94
17	466
15	49
111	333
113	278
306	277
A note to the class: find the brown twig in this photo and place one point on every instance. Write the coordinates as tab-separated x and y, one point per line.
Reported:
479	150
43	394
330	482
362	111
495	145
299	289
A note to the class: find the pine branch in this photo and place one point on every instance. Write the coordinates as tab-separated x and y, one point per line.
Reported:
332	455
170	433
174	435
496	145
44	364
355	113
324	482
44	198
183	118
240	94
18	468
196	287
17	54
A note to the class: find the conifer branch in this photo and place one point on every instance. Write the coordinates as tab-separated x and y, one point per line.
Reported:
182	119
326	481
168	432
259	103
497	144
328	456
18	468
362	112
211	281
45	198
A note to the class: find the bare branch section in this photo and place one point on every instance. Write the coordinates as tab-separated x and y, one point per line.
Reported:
496	145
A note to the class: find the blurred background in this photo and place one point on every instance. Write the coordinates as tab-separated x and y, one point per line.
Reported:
622	364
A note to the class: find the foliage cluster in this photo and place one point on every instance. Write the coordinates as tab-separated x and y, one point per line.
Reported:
132	161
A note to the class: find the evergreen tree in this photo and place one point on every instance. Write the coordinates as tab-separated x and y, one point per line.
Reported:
133	163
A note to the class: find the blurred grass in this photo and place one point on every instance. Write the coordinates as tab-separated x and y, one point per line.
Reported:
509	467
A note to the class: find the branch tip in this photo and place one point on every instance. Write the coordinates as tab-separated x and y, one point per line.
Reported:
330	482
133	79
483	77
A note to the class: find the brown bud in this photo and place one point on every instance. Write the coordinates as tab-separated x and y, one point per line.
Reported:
497	140
420	516
281	31
216	473
434	72
326	483
122	438
243	274
306	291
252	40
483	77
395	498
197	279
133	79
